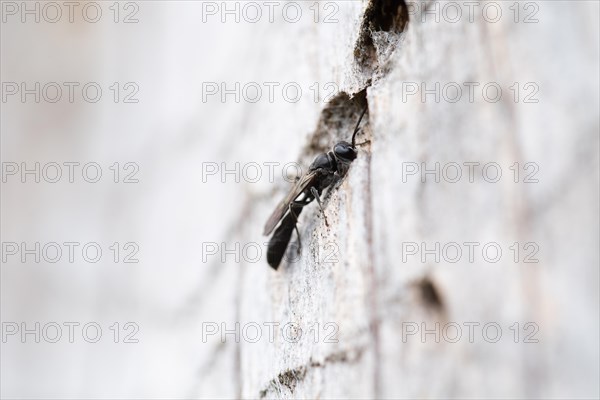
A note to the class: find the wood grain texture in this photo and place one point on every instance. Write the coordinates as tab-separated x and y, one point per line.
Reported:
371	294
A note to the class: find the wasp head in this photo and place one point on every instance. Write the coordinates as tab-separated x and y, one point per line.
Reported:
343	151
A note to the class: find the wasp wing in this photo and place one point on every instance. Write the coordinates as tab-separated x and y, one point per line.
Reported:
283	207
281	238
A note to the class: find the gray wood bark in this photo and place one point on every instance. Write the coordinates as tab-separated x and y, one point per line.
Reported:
351	284
371	295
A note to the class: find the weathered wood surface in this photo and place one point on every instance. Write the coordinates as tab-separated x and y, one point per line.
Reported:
369	295
372	295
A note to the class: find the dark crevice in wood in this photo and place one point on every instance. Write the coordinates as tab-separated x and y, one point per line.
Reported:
430	295
337	121
383	19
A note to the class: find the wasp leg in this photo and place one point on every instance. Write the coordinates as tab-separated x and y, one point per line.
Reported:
315	193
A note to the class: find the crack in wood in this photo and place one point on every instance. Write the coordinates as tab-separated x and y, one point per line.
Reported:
290	378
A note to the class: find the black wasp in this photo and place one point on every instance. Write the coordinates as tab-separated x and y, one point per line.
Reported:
324	170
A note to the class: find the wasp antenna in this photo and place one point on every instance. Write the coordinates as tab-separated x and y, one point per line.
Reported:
356	128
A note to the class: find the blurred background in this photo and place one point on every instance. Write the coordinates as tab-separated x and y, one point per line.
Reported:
145	143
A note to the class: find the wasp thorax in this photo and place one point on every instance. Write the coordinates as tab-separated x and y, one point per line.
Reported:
321	161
